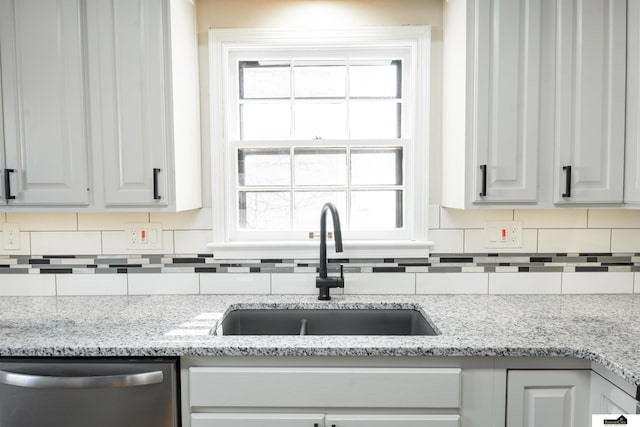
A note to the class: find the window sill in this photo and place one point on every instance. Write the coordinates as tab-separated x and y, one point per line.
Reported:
310	250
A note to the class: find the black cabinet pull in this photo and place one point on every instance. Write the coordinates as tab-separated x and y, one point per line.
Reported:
567	185
156	196
7	184
483	192
315	424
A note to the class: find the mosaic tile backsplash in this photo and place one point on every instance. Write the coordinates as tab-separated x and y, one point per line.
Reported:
436	263
553	273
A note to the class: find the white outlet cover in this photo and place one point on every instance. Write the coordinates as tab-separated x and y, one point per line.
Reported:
11	236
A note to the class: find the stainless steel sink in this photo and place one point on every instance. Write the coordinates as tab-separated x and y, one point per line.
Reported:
325	322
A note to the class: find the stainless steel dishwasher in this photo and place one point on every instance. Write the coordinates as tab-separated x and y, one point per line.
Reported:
96	393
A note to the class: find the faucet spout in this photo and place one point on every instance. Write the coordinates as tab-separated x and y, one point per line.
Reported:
324	283
337	232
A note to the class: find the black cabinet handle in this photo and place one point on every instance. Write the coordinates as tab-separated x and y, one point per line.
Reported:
483	169
567	185
156	196
7	184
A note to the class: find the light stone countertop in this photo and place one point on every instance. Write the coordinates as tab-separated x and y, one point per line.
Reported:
599	328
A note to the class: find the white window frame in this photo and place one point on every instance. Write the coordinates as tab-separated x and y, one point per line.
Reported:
225	43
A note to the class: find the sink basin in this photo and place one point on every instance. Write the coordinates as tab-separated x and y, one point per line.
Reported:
325	322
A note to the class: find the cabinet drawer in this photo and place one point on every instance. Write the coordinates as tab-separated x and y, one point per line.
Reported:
257	420
325	387
392	420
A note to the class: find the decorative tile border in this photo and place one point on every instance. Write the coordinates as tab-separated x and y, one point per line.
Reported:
436	263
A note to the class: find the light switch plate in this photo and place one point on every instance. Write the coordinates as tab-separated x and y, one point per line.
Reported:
503	234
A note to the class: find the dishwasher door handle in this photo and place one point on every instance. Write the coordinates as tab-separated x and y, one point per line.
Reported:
104	381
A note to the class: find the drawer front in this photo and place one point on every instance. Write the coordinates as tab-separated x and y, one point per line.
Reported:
325	387
392	420
257	420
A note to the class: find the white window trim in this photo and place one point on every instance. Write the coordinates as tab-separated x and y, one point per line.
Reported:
418	38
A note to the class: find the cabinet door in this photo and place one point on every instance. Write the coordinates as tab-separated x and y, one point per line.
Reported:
632	157
590	101
43	95
3	200
130	65
257	420
548	398
392	421
606	398
507	84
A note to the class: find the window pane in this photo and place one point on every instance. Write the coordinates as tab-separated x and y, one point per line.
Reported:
375	120
320	79
376	166
264	81
265	121
264	210
308	204
376	209
371	80
320	121
320	166
264	166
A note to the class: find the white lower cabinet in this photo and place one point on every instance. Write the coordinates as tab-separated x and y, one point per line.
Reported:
338	392
399	392
606	398
548	398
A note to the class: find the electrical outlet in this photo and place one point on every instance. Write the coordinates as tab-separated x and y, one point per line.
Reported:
11	236
499	234
143	235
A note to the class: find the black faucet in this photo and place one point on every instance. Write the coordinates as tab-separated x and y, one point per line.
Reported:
323	282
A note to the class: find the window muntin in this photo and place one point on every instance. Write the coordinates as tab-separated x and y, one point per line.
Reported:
319	99
364	114
366	183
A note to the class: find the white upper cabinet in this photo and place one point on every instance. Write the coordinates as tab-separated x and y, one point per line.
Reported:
632	156
590	101
99	106
494	86
507	90
534	94
42	56
3	200
143	58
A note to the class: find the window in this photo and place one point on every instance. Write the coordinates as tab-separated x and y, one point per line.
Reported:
302	119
